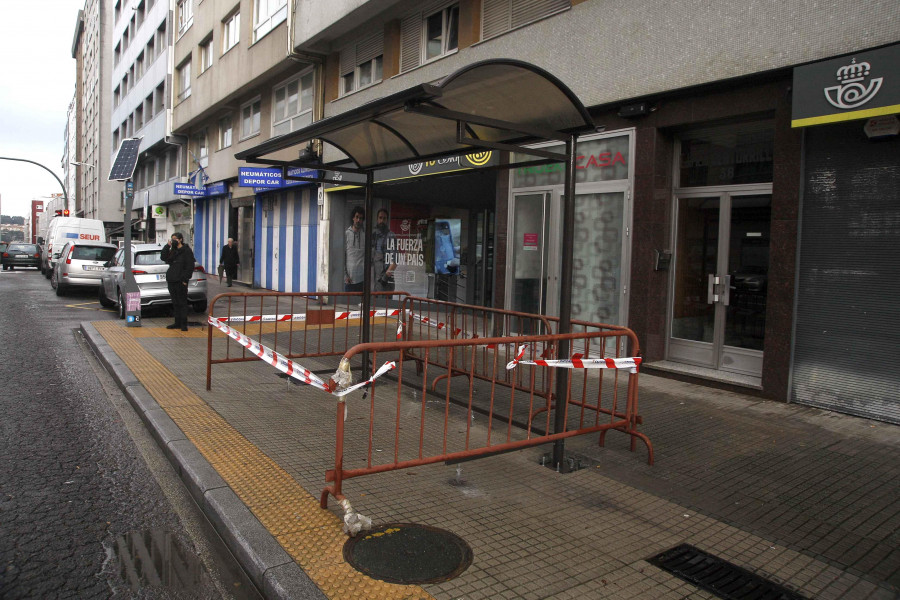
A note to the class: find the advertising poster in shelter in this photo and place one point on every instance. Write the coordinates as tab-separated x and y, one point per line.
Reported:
411	247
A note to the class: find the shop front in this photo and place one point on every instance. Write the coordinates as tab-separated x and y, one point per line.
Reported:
284	229
847	331
601	242
433	228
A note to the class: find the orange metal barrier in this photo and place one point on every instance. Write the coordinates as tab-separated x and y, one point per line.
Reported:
610	347
299	325
427	320
412	430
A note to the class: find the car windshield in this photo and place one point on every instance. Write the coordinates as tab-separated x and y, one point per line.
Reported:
148	258
100	253
30	248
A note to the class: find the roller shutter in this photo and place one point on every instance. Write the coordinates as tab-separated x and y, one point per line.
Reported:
847	338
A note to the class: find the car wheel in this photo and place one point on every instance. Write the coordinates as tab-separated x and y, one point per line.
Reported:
104	301
53	283
121	305
47	273
60	290
199	306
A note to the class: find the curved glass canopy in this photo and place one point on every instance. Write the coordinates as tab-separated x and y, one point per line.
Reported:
491	104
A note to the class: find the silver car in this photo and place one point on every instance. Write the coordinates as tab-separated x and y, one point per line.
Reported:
80	264
150	274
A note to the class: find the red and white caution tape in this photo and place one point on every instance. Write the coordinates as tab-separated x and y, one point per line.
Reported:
433	323
338	316
288	366
577	362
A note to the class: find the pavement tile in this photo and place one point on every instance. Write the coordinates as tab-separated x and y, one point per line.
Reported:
799	495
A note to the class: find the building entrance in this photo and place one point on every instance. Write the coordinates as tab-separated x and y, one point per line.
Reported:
720	277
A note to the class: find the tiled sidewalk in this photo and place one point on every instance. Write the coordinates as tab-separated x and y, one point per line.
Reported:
807	498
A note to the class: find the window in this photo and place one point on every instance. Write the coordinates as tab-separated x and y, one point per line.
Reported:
151	51
231	34
361	64
185	15
200	148
225	131
139	66
159	98
116	97
206	54
117	53
266	15
441	32
161	169
250	118
500	16
428	36
293	104
184	80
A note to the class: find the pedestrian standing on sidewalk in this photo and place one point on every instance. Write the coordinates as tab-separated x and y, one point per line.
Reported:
230	260
181	268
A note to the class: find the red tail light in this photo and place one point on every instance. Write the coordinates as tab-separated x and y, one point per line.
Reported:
69	255
6	255
199	269
37	255
138	272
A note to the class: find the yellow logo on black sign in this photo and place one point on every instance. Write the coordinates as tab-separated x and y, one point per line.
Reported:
479	159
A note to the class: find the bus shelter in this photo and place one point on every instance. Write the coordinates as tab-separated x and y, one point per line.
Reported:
502	104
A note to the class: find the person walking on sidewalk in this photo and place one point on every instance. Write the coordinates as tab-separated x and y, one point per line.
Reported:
181	268
230	260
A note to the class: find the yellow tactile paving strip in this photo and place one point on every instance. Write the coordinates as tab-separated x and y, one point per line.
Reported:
310	535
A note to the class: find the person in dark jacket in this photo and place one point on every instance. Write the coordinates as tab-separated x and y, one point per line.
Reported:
230	260
181	268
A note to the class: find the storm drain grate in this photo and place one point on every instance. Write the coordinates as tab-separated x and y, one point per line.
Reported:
718	576
408	553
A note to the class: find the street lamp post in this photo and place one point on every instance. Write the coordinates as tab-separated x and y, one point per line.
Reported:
65	194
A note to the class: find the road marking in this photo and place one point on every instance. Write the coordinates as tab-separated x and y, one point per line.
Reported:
89	306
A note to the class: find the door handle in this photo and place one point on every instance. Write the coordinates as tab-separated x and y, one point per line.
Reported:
711	282
717	289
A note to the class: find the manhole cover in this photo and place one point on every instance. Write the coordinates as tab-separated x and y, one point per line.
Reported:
408	553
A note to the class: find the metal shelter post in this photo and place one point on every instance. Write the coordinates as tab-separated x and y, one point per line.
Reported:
367	262
565	301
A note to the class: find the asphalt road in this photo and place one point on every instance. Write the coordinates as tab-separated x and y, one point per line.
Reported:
89	506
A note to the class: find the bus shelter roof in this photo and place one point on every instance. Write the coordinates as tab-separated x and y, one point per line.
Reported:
495	104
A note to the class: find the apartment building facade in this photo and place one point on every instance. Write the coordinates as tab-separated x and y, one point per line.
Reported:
99	198
141	80
237	81
704	208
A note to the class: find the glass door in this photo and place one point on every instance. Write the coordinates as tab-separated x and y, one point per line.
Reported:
720	275
530	254
244	241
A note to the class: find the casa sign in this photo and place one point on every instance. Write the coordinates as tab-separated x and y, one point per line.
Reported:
857	86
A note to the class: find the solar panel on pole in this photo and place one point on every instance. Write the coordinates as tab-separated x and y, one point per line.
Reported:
126	160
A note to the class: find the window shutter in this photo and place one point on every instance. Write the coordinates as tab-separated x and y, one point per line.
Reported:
369	49
410	42
528	11
348	59
495	18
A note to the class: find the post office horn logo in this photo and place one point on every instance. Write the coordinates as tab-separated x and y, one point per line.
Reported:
852	91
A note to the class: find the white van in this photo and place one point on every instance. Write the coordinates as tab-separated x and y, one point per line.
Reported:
63	229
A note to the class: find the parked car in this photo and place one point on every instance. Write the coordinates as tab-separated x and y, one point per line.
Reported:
21	255
80	264
64	229
150	274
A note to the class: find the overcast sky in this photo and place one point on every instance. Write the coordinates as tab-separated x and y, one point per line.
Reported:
37	82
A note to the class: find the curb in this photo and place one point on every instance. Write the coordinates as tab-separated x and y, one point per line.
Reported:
272	570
